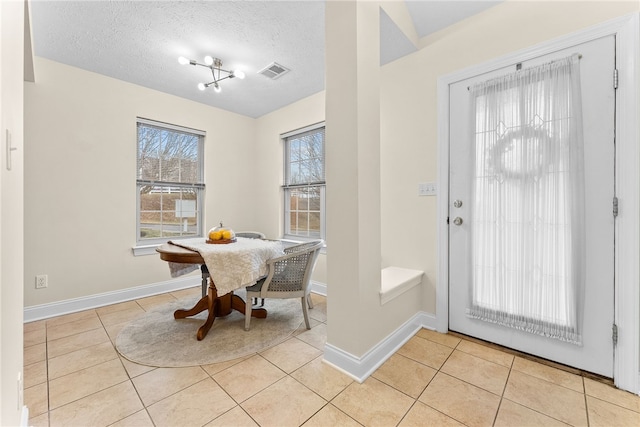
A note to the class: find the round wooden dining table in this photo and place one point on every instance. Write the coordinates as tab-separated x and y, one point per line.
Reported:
217	305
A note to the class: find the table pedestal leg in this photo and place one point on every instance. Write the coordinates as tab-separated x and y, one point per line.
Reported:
213	305
217	307
239	304
205	279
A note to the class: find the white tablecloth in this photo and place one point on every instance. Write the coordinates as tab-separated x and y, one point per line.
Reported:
234	265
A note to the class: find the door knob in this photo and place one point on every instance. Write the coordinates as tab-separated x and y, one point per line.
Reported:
457	220
457	203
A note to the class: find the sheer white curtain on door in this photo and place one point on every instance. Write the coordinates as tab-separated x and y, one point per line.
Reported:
528	200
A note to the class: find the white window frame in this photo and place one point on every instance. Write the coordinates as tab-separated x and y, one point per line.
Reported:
146	246
287	187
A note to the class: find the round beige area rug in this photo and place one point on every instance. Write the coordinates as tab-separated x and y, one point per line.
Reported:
157	339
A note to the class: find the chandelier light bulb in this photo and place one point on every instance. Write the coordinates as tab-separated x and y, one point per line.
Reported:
239	74
217	88
201	86
208	60
183	60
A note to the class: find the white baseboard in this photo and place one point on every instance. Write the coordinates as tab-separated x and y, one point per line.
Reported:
24	416
45	311
360	368
319	288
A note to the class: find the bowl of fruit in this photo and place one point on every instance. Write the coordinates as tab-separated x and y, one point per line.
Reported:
221	235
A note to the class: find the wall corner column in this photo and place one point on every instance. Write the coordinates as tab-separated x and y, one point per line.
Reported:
353	173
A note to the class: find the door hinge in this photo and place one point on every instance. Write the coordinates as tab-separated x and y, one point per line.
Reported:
615	207
614	334
615	78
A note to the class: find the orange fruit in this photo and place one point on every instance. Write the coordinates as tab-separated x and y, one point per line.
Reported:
215	235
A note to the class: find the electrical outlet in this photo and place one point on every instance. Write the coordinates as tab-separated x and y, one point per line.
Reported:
42	281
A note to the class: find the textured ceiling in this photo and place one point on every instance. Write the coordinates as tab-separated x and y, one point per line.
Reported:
140	41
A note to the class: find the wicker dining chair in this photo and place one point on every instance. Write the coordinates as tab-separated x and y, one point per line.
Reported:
288	276
251	234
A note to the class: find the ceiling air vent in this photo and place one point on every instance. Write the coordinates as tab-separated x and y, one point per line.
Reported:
274	70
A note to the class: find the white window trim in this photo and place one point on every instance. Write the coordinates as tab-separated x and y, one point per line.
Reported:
148	247
294	237
142	250
302	130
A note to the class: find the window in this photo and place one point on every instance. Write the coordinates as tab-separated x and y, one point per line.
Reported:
170	182
304	185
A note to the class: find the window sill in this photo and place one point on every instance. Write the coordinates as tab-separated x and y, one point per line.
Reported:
145	250
152	244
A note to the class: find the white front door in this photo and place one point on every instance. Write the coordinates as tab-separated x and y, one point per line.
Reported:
597	66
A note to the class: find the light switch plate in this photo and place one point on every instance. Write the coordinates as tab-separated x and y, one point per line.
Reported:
427	189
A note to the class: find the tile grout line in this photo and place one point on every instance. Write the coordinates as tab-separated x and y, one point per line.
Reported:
133	385
46	346
586	403
444	373
327	401
495	418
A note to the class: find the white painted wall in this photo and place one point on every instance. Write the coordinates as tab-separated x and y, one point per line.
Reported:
269	167
268	152
352	44
80	172
80	177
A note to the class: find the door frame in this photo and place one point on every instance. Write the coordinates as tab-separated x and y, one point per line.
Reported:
626	364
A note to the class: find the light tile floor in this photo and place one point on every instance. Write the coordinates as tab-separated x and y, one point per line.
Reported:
75	377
